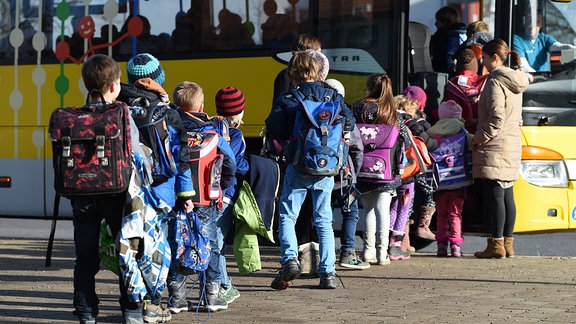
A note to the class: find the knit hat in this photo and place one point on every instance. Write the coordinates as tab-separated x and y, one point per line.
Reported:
324	64
229	101
449	109
337	85
145	66
416	93
466	60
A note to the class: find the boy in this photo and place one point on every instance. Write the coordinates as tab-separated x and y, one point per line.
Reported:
101	73
307	69
189	103
145	80
230	105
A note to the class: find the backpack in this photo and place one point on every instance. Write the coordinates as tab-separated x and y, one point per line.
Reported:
151	121
318	145
191	246
383	157
417	156
451	163
206	162
92	149
467	96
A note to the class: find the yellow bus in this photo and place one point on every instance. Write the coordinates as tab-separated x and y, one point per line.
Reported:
246	44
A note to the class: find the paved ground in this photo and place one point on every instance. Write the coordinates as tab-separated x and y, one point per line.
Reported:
423	289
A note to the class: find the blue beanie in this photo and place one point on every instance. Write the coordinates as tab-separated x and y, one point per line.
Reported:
145	66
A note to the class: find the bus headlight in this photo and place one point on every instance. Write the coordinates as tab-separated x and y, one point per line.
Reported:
544	173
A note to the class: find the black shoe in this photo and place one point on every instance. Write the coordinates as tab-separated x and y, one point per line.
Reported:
327	281
289	272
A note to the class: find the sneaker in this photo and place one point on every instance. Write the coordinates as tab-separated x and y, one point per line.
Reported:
351	261
155	314
455	250
215	303
442	249
228	295
182	306
287	273
395	253
327	281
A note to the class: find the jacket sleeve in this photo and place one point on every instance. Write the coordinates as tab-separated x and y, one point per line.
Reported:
419	129
179	146
495	101
228	165
238	145
281	119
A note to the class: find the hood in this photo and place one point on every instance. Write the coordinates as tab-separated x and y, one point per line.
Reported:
479	38
129	93
515	80
195	120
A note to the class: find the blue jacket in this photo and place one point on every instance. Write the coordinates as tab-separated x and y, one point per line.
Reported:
181	184
280	122
238	146
200	120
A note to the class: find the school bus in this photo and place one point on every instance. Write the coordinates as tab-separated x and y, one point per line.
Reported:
230	43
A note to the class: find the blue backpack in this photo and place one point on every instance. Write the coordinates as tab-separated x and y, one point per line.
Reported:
155	137
451	163
190	245
318	145
383	156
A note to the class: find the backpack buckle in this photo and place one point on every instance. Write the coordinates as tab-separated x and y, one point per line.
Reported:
66	144
100	140
324	130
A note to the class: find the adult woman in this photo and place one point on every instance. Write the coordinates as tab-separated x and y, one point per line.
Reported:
497	146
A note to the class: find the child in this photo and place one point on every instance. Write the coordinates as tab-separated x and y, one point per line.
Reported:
378	108
101	73
307	69
414	120
230	104
348	258
449	203
419	125
189	102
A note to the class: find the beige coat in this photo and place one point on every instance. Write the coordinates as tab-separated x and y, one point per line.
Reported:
498	148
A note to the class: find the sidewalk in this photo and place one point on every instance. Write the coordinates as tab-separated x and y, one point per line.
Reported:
422	289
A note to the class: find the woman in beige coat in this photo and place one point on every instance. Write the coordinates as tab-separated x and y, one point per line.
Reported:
497	147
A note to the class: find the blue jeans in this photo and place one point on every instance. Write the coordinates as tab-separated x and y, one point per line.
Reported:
223	222
176	281
349	222
293	195
87	217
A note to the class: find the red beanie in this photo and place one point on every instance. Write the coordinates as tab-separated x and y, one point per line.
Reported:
229	102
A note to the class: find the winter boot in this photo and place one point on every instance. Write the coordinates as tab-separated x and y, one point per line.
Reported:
494	249
382	248
455	250
508	242
306	258
369	251
395	252
424	231
406	247
442	250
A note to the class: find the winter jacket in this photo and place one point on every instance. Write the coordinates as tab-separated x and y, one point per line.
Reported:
238	146
197	120
355	158
498	146
418	127
182	183
280	122
444	44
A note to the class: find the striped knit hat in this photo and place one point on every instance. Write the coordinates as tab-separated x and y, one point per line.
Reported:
145	66
229	101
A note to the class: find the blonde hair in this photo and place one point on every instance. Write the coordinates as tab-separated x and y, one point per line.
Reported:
476	27
303	67
408	105
189	96
236	120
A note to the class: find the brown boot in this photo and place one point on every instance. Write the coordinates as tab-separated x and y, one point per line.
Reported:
424	224
508	246
406	240
494	249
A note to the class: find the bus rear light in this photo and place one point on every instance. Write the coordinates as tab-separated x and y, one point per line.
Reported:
5	182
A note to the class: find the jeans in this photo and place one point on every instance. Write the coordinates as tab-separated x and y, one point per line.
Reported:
223	222
87	217
293	195
176	282
349	222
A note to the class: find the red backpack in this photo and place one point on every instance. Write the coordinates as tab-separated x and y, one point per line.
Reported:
466	91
